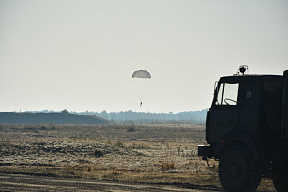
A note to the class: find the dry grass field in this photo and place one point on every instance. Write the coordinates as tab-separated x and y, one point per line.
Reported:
126	153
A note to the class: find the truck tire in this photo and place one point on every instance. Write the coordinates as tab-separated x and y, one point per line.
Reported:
280	179
238	171
280	184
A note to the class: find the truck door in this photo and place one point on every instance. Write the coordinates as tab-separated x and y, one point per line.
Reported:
221	117
250	110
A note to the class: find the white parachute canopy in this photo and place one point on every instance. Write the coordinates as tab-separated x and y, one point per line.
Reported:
141	74
141	80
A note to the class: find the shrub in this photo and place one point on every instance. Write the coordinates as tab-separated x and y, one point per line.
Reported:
98	153
167	166
131	129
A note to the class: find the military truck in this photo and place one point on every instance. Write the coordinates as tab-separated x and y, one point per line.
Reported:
247	130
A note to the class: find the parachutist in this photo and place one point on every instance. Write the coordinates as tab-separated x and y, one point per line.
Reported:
141	76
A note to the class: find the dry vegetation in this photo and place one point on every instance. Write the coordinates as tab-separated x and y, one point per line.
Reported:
129	153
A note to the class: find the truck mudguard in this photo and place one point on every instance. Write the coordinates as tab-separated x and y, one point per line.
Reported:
237	138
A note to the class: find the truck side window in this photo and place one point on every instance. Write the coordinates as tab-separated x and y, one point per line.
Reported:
227	94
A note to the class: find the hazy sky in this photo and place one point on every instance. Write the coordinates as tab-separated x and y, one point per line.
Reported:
80	54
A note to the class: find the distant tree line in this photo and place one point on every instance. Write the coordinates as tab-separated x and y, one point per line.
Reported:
193	117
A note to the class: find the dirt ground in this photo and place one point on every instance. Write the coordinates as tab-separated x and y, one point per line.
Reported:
106	158
22	182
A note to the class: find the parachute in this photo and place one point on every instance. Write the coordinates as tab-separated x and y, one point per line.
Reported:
140	78
141	74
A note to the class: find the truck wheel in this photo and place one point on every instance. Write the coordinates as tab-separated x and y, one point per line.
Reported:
238	171
281	184
280	179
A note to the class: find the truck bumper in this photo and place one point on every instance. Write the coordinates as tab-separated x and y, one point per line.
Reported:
206	151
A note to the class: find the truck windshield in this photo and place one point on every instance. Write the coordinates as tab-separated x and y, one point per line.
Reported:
227	94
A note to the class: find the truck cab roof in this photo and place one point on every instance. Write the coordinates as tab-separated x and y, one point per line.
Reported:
238	78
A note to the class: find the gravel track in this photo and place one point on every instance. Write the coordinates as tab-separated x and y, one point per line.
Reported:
22	182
